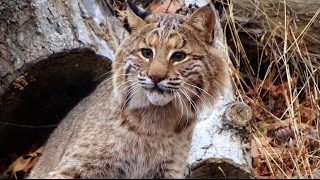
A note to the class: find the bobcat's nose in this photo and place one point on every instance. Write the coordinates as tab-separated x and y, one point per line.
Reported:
156	78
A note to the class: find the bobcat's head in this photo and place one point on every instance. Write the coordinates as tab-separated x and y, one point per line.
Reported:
169	59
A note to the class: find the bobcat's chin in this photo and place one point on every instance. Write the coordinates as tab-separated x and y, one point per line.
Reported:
159	98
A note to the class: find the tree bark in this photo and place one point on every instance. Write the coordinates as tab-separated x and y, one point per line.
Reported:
49	47
220	146
52	54
32	31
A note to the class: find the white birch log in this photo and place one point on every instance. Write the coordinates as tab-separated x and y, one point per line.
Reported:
220	146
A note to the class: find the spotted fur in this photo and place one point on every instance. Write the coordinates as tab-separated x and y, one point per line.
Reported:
139	124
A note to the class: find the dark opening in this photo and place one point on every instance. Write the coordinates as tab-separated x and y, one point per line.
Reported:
29	112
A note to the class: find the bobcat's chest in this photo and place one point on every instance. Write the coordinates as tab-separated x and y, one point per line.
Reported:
148	157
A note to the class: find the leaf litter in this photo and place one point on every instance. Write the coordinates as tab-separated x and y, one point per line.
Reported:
282	90
22	164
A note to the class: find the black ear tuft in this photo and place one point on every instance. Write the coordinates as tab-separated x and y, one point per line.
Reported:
137	10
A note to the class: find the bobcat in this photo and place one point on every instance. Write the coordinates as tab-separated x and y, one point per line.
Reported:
139	124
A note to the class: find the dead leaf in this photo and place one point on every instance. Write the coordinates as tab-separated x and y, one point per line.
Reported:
32	162
268	82
279	174
254	149
284	87
261	172
168	6
265	141
274	152
257	111
22	163
121	14
308	114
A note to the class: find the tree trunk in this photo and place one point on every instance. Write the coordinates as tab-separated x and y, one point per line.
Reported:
220	146
53	53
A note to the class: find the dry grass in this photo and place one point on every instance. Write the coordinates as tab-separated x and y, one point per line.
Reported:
279	78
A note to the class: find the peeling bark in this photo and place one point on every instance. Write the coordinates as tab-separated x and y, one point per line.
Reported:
62	49
33	30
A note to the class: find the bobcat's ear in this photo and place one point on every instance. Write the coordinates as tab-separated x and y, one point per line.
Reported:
136	15
203	21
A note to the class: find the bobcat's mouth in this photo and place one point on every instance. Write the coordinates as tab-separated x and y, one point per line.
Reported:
158	97
157	93
157	89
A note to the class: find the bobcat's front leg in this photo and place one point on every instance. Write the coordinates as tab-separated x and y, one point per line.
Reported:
86	170
170	170
171	175
64	172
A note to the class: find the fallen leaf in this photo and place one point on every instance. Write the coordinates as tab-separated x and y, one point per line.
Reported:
121	14
18	165
262	172
31	163
22	163
167	7
254	149
265	141
284	87
268	82
274	152
278	174
257	111
308	113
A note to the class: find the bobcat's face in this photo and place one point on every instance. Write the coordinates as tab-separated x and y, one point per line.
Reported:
164	66
168	59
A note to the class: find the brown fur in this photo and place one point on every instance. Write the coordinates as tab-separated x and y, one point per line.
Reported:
118	131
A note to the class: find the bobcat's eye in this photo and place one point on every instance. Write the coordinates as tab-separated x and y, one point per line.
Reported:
147	53
178	56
